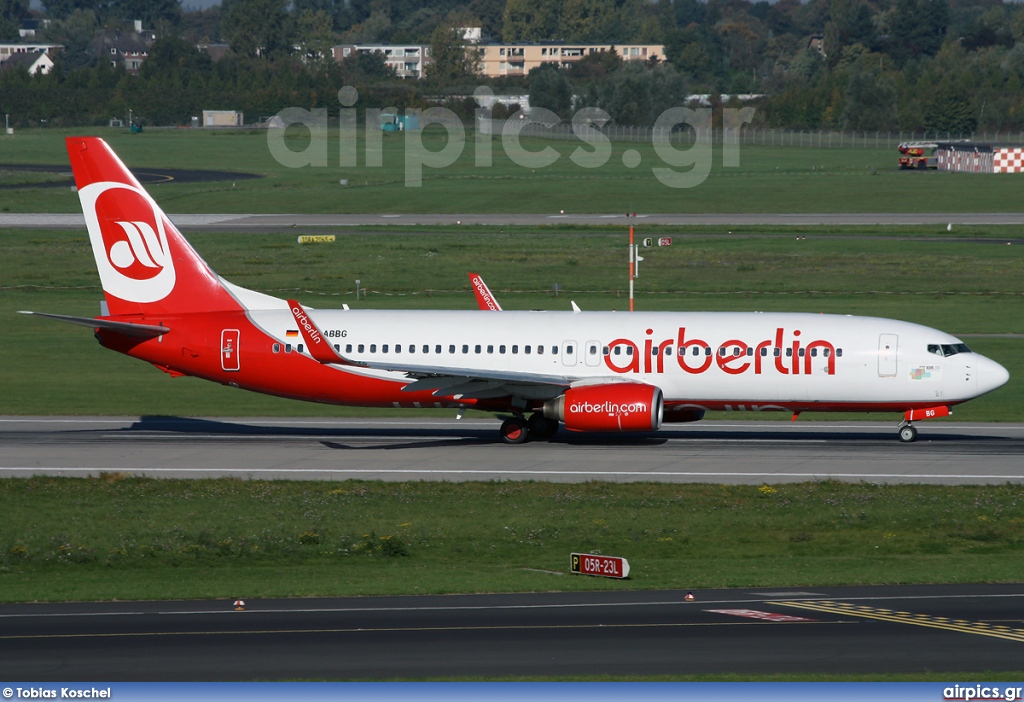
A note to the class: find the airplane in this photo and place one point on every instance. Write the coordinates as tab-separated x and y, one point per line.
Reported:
586	371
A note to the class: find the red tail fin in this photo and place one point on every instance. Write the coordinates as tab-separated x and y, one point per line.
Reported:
145	264
484	299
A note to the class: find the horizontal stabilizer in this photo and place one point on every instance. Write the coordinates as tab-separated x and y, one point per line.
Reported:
139	331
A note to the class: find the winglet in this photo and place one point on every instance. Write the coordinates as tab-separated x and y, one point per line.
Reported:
319	348
484	299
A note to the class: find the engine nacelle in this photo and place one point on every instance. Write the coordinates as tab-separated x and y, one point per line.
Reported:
609	407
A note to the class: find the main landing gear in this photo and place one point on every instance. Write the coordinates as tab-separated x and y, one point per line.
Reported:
908	432
518	429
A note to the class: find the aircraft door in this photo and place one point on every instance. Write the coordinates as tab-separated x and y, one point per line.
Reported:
569	351
229	340
592	353
887	346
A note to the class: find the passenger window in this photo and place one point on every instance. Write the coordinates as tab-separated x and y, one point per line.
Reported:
814	353
776	352
477	348
839	353
789	353
568	349
361	347
437	349
764	352
412	348
384	348
526	350
618	351
426	349
540	350
515	349
348	348
826	352
604	351
373	348
337	347
465	348
668	350
287	348
501	349
490	348
451	348
629	350
398	348
300	348
277	348
802	353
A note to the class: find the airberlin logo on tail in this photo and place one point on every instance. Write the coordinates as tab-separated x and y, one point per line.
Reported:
129	241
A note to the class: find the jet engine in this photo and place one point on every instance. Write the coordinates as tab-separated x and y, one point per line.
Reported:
608	407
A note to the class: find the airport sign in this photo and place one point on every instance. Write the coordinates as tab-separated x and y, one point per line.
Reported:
593	564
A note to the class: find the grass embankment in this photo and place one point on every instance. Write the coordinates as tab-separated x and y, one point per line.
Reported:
769	179
134	538
964	287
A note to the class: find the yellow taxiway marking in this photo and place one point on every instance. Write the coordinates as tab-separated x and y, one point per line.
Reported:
887	615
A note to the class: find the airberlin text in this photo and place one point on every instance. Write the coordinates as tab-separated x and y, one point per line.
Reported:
785	354
64	693
307	326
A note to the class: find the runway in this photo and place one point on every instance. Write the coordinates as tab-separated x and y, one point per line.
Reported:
740	452
909	629
277	222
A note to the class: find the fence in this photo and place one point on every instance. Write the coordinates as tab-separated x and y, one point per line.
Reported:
760	136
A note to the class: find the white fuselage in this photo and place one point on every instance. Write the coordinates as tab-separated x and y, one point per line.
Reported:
742	360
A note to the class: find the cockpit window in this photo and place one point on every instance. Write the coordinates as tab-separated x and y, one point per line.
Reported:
948	349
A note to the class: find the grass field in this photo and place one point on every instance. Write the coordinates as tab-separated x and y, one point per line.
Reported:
769	179
61	539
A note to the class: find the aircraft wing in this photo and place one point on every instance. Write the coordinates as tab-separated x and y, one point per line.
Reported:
446	381
450	381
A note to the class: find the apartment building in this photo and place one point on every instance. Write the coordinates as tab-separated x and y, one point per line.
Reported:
519	59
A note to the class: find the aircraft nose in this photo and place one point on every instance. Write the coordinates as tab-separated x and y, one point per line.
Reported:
990	375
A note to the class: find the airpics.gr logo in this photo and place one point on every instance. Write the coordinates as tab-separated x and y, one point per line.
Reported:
129	241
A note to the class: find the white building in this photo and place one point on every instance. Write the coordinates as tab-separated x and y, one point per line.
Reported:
407	60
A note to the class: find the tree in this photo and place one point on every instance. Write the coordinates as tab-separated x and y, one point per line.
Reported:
588	21
531	20
12	12
75	34
258	28
948	110
450	58
550	89
315	33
